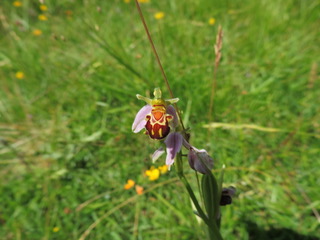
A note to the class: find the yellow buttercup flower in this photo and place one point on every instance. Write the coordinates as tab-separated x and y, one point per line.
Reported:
163	169
55	229
143	1
212	21
37	32
153	173
130	183
43	7
159	15
126	1
42	17
20	75
17	3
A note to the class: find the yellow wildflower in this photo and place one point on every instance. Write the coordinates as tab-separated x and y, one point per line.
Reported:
130	183
139	189
212	21
20	75
153	173
159	15
43	7
55	229
17	3
37	32
143	1
126	1
163	169
42	17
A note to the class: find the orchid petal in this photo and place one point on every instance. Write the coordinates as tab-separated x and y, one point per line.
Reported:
157	154
172	100
147	100
173	143
172	111
140	119
230	191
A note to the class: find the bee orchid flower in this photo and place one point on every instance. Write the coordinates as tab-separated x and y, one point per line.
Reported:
158	117
160	121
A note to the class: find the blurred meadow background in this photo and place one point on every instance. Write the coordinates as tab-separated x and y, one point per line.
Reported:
69	73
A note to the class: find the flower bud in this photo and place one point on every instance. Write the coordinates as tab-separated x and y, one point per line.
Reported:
200	160
226	196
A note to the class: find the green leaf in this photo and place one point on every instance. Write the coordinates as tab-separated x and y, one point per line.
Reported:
210	192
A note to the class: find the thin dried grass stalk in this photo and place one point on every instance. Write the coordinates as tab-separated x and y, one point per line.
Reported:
313	75
217	50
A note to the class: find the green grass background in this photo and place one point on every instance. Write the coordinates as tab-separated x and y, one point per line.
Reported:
66	127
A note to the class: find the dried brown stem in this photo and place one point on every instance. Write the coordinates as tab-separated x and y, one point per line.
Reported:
158	59
6	25
313	75
217	50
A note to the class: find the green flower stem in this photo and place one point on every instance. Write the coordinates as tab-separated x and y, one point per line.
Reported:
214	232
211	196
